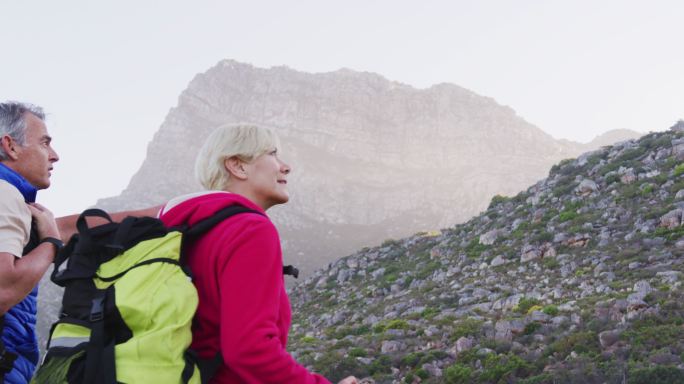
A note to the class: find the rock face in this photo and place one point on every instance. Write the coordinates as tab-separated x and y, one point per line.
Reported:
372	159
581	284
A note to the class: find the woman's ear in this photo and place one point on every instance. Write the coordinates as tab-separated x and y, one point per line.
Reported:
235	167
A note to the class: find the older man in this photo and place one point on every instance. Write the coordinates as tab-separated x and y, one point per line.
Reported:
27	247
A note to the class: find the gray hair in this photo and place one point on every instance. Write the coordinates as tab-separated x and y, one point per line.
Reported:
13	121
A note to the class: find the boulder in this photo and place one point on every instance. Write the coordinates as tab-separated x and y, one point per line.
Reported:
608	338
530	252
671	219
586	187
489	238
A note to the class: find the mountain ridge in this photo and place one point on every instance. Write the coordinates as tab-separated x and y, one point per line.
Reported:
409	141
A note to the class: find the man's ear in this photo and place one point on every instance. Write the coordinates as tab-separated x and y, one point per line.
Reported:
235	167
9	146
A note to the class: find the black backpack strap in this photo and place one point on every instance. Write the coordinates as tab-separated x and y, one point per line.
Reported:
206	367
6	357
203	226
210	222
99	365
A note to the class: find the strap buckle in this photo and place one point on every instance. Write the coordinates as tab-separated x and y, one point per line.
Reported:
97	309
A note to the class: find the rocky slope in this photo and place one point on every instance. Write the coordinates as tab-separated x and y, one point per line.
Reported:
372	158
577	279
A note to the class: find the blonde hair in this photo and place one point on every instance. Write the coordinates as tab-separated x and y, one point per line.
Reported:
246	142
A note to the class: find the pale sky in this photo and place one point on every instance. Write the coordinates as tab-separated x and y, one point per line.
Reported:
107	74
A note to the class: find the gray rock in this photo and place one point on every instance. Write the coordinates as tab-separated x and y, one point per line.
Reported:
432	369
586	187
678	149
665	358
634	265
559	321
530	252
463	344
671	219
377	273
364	360
505	329
391	346
539	317
642	286
608	338
489	238
432	331
497	261
669	277
680	194
344	275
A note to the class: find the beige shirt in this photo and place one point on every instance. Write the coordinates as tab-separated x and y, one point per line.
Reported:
15	220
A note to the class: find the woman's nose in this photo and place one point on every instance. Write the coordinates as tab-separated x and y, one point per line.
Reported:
285	168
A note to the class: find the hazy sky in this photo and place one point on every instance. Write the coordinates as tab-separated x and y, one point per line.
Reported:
107	74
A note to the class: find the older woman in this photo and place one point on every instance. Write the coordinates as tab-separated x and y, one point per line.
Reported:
244	312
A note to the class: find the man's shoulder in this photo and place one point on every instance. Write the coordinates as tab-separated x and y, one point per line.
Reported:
15	220
10	197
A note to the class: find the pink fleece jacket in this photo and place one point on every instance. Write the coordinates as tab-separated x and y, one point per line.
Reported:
244	311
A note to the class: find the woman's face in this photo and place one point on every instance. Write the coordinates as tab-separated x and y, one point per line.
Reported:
267	179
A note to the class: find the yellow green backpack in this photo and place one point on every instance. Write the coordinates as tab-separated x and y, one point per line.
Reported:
128	305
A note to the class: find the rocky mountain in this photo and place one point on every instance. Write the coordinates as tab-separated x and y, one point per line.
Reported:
577	279
372	158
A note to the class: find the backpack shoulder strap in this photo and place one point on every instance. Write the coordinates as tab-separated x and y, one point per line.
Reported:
210	222
205	225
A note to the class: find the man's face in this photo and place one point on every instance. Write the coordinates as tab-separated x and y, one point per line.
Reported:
34	159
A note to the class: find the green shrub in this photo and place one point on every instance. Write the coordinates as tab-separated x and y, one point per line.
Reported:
390	242
496	200
525	304
423	374
466	327
550	263
335	368
543	237
458	374
428	270
381	364
656	375
412	359
613	178
504	367
631	154
678	170
647	190
474	248
358	352
563	167
531	328
551	310
567	216
429	313
651	333
544	378
580	342
397	324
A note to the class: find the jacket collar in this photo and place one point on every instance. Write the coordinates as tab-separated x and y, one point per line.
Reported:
25	188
